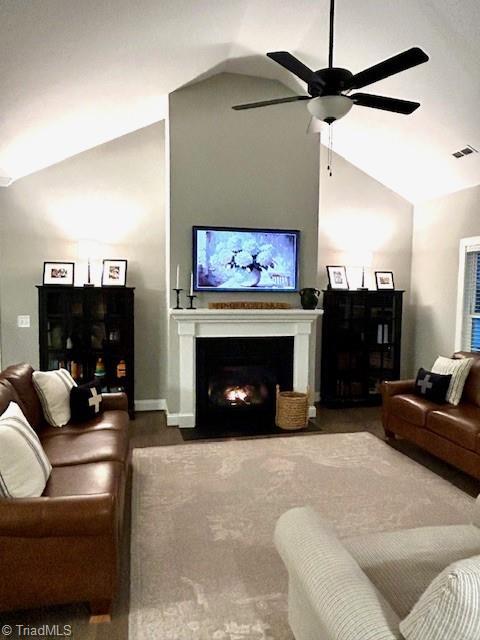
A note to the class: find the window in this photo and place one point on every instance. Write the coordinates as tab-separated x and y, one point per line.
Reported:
468	301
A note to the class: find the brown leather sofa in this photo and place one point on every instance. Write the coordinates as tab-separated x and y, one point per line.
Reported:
64	546
449	432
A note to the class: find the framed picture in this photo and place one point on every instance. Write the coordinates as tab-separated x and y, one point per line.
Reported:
384	279
337	277
60	273
114	273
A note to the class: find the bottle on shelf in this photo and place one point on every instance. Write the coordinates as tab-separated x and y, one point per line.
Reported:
121	374
100	371
74	370
121	369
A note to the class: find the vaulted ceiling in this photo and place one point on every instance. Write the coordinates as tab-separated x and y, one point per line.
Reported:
76	73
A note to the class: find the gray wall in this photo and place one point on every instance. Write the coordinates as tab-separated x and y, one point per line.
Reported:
358	215
438	227
251	168
113	193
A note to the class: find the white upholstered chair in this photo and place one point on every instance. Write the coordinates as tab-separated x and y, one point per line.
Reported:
361	588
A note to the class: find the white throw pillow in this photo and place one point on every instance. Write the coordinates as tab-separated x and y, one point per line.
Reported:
53	389
449	607
459	368
24	467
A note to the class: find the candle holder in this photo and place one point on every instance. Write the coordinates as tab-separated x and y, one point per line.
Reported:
178	298
191	298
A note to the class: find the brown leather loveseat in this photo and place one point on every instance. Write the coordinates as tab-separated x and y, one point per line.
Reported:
64	546
449	432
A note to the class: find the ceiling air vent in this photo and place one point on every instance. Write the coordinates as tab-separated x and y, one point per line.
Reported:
5	181
465	152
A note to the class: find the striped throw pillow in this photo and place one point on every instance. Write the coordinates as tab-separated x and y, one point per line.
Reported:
53	389
24	467
459	369
449	607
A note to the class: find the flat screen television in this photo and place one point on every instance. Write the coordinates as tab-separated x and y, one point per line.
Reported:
238	259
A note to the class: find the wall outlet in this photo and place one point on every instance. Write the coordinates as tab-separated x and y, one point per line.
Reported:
23	322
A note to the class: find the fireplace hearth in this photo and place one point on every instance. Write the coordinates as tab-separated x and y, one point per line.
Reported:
237	378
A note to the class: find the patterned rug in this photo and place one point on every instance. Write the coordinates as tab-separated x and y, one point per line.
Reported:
203	564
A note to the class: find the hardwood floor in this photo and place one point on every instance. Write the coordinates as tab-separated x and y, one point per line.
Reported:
150	430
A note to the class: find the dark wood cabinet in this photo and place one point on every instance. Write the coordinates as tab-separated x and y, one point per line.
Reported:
361	340
89	331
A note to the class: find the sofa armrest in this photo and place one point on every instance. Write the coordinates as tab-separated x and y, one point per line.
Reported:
346	603
476	512
396	387
83	515
114	401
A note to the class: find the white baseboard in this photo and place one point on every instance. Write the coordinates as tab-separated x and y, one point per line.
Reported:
182	420
151	405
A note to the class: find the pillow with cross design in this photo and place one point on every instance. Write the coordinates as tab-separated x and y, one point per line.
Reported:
432	386
85	402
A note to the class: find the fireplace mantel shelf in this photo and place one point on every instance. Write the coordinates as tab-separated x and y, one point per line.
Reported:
232	323
246	315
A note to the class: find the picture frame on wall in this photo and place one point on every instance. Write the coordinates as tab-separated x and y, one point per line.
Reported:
114	273
337	277
59	273
384	280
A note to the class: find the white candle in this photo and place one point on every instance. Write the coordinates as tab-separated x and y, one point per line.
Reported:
191	283
178	277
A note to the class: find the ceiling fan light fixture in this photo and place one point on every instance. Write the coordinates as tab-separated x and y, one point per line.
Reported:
330	108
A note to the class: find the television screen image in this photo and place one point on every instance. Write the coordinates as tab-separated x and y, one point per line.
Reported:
235	259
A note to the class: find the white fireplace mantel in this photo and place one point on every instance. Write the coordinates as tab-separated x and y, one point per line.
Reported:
234	323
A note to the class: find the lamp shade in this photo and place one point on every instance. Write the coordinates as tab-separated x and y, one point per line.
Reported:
329	108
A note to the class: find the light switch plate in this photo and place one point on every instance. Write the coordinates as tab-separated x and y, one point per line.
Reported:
23	322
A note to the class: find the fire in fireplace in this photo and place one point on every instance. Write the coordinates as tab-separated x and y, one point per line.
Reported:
238	396
238	386
236	379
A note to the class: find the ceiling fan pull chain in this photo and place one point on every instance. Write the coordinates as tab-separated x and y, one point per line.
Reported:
330	153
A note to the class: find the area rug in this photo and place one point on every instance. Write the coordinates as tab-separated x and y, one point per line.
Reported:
203	563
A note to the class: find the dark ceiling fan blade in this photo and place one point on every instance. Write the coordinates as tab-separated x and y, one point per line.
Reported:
402	61
295	66
266	103
387	104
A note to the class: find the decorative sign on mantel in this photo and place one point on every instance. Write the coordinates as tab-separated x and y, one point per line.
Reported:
249	305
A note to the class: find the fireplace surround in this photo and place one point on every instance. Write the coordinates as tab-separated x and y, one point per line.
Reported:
194	324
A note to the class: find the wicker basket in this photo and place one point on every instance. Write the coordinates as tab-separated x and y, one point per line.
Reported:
292	410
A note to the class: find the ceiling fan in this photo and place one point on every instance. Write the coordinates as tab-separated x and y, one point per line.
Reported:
329	89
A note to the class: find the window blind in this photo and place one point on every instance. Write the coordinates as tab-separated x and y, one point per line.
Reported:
471	310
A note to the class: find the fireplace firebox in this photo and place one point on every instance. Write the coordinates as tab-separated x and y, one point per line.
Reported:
237	378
